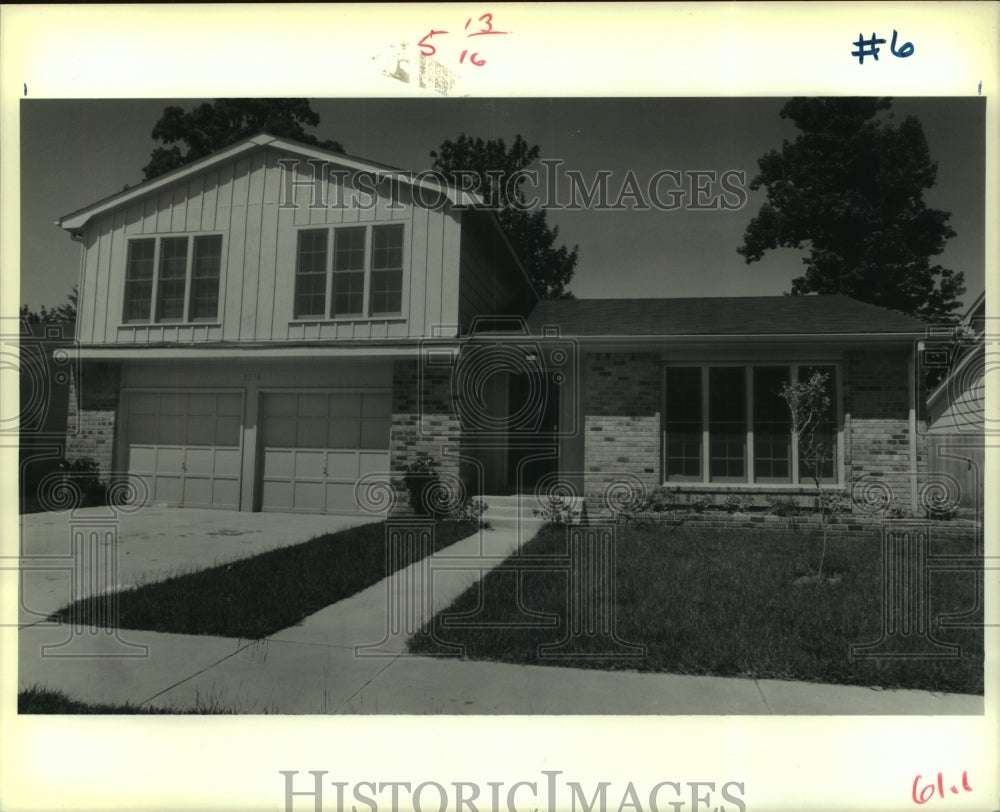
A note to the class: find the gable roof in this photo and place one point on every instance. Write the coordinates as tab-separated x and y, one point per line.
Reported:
76	220
722	317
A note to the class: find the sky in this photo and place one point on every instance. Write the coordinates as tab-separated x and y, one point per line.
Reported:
74	152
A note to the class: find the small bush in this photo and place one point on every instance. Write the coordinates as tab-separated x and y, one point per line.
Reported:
418	476
783	505
699	504
471	511
835	503
738	503
660	499
557	511
943	512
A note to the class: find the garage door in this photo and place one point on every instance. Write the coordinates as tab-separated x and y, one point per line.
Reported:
186	445
317	444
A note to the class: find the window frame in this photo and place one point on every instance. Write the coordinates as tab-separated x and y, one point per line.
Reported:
366	314
797	479
153	316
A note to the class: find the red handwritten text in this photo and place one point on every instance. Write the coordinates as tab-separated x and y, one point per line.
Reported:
924	792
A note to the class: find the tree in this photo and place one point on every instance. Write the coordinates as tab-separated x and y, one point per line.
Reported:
850	186
60	314
212	126
810	405
498	176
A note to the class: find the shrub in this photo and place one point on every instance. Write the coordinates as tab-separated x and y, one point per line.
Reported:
738	503
699	504
557	511
418	476
783	505
660	499
471	511
834	504
944	512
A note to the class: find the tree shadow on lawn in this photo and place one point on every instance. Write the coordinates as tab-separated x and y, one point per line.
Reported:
716	603
255	597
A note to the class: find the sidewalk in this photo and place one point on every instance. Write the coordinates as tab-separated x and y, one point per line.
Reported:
317	668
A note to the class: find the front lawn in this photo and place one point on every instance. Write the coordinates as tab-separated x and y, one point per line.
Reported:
256	597
36	700
724	603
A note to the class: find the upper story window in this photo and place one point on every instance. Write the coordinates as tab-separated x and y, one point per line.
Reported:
362	276
175	278
729	423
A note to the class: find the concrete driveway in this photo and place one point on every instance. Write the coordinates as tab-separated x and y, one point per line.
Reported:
146	544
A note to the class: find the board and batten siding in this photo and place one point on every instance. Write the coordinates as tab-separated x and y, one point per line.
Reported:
240	199
491	283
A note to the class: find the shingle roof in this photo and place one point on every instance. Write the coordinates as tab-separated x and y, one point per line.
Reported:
720	316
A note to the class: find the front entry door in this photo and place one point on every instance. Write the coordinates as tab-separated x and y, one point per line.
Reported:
532	437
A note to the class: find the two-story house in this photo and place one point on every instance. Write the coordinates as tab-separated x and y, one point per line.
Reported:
264	328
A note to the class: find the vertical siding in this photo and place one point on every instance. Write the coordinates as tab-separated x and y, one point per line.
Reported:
239	198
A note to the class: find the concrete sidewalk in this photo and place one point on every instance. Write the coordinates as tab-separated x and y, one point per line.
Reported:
317	666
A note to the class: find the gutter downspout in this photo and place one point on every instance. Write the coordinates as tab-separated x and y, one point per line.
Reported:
910	366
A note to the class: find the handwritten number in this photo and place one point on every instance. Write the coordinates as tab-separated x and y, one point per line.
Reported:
423	44
905	50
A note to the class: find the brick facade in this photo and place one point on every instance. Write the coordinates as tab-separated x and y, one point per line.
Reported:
424	419
94	389
876	424
623	398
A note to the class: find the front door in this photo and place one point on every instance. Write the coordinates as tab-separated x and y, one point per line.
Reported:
532	437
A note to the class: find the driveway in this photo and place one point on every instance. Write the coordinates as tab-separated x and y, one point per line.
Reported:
149	544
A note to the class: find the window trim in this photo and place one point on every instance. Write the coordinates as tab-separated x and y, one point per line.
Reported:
152	319
796	481
365	315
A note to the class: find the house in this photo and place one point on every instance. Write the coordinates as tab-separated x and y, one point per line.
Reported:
955	415
270	326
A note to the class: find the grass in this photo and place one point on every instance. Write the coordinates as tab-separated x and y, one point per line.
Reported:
37	700
731	604
255	597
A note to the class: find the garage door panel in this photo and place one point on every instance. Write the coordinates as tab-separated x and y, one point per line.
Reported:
375	433
310	434
201	403
276	495
342	464
278	463
310	464
199	461
168	489
377	405
340	497
142	428
313	405
227	431
280	405
201	430
142	459
227	462
279	432
309	496
169	459
170	430
343	434
373	463
225	492
345	405
197	491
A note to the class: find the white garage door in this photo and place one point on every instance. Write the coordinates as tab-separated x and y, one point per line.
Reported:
317	444
186	445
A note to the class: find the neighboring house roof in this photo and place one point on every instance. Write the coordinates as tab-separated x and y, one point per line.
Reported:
721	317
76	220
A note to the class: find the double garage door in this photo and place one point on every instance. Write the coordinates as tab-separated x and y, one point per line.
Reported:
314	446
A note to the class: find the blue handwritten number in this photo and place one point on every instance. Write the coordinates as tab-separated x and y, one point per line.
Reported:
905	50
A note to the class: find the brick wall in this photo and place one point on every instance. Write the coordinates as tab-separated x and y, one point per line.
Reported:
876	415
622	420
94	390
424	419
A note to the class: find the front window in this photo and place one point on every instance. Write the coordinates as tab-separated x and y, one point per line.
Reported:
175	278
363	275
729	424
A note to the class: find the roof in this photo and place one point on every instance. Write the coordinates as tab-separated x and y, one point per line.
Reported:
730	316
74	221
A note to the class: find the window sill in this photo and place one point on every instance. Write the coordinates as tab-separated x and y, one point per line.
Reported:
130	324
349	320
744	487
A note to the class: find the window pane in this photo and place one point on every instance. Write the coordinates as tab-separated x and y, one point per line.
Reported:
772	426
205	278
387	270
310	274
819	454
173	273
682	423
348	293
139	279
727	426
387	292
349	251
387	247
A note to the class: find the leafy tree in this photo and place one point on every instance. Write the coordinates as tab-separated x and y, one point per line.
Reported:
496	170
810	408
60	314
212	126
850	186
